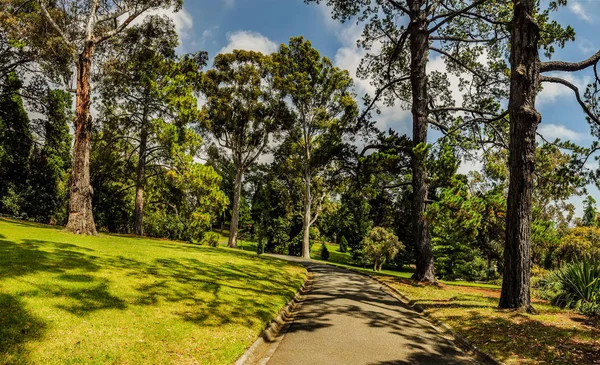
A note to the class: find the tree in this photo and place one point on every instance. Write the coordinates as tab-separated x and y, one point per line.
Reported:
324	110
460	32
147	96
380	246
244	110
47	191
589	211
528	22
80	28
16	139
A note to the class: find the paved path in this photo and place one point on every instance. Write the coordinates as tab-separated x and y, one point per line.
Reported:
348	319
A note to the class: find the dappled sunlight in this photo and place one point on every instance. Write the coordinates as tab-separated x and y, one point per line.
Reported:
132	293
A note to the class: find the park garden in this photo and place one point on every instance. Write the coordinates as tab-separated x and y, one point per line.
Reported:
145	191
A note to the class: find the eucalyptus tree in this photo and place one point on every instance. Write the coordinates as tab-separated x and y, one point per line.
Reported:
322	100
147	95
77	29
244	110
398	37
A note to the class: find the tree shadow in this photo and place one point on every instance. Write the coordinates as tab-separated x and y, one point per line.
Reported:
211	294
17	327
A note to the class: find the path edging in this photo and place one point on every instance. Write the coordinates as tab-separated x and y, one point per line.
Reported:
273	329
425	314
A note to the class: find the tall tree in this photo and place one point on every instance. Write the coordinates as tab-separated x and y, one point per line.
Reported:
526	39
80	28
146	90
322	100
397	58
244	110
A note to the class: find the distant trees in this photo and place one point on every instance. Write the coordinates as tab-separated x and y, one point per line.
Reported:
379	246
147	98
244	111
324	110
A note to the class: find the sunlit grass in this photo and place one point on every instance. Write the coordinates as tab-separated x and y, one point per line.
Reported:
113	299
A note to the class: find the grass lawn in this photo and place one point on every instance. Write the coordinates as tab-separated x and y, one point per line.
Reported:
554	336
67	299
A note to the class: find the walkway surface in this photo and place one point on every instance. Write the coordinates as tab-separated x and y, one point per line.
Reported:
347	318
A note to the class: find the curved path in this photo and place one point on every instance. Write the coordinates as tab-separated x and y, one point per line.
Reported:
347	319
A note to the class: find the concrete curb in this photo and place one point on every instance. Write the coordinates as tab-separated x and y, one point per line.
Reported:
442	327
260	349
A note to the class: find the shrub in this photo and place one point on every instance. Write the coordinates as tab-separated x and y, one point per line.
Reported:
380	245
324	252
579	287
211	239
343	244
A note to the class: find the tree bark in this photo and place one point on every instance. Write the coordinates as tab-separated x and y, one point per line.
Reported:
81	219
141	182
235	214
306	218
419	49
524	119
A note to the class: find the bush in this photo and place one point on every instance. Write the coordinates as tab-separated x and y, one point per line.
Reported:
343	244
380	245
211	239
324	252
578	287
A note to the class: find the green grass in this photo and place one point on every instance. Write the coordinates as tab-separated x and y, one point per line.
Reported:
67	299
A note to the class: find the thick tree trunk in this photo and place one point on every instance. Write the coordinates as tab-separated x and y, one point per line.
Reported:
140	183
235	214
306	218
81	219
524	119
419	50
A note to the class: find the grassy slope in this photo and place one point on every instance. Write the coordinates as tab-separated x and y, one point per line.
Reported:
113	299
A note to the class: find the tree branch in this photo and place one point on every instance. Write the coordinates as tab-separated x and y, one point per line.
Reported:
558	80
569	66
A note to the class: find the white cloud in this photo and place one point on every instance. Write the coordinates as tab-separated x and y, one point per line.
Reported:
578	9
250	41
553	131
586	46
229	3
551	92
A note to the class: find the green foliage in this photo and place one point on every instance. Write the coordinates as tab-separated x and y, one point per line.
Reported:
379	246
589	211
324	252
343	244
16	138
455	222
579	287
211	239
579	243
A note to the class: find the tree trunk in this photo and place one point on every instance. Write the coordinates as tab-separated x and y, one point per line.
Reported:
81	219
235	214
419	50
524	119
141	182
306	219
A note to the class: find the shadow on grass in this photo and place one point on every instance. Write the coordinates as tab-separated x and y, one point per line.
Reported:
240	291
532	340
17	327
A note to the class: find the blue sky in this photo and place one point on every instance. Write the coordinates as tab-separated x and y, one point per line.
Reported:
223	25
